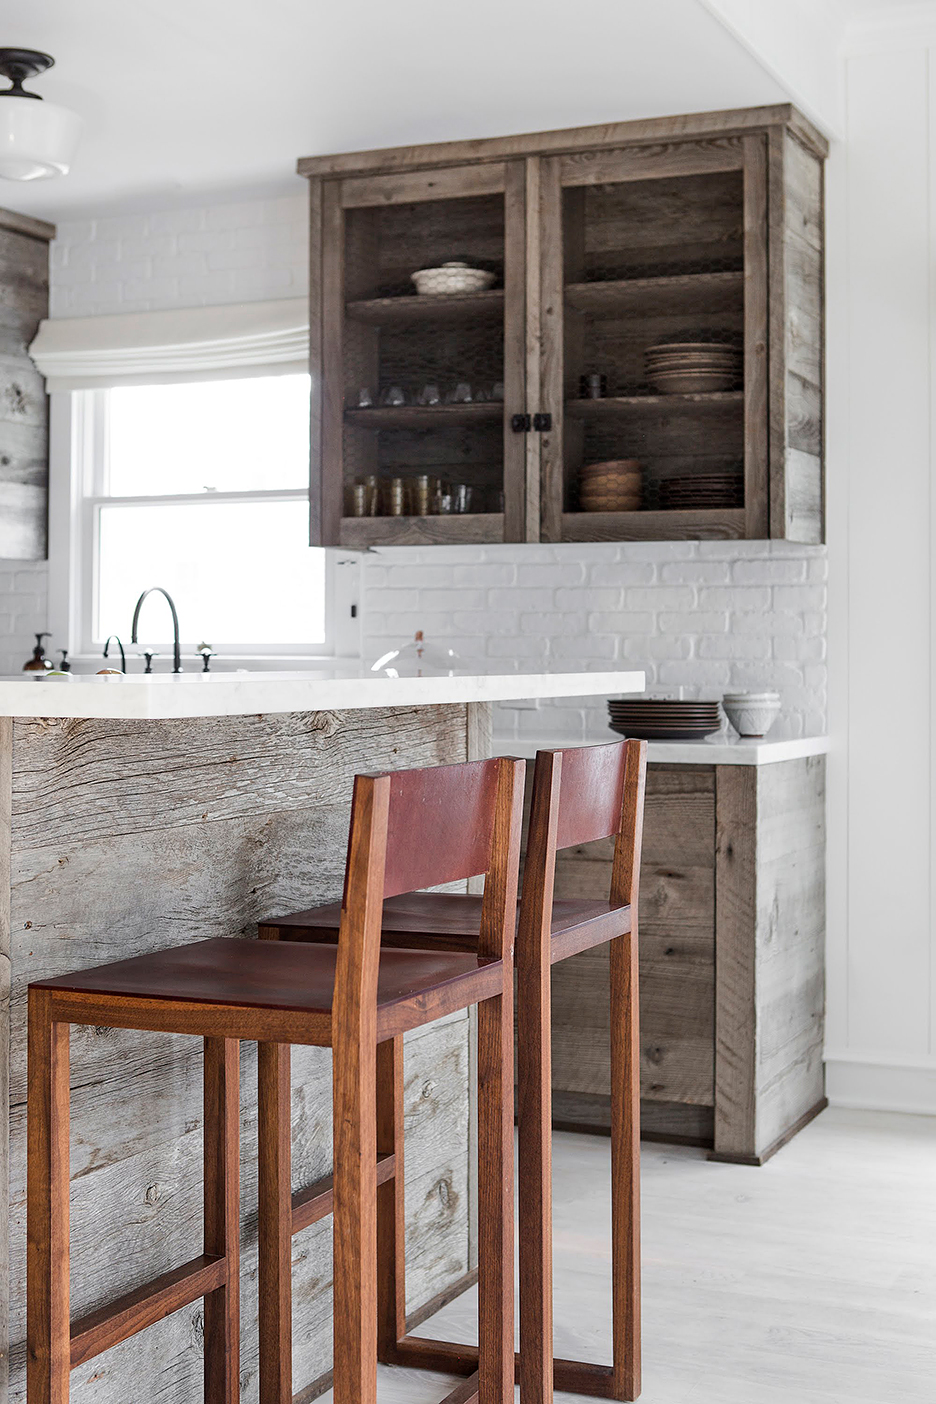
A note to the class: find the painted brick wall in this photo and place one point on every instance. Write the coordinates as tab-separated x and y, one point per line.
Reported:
243	251
706	617
23	589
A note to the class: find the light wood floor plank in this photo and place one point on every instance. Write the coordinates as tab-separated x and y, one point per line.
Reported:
811	1280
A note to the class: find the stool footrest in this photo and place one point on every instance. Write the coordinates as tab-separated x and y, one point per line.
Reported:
464	1393
317	1201
123	1318
455	1358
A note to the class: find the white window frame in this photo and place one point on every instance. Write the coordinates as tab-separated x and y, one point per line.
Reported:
77	458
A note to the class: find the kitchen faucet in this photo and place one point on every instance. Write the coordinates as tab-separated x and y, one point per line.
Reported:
123	656
176	652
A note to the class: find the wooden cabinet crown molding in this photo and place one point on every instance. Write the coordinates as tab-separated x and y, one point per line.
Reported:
640	130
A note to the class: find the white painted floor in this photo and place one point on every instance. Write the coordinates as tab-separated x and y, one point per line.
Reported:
811	1280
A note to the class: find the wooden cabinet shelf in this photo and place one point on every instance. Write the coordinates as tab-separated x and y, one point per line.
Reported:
425	416
707	292
708	524
448	307
605	241
361	532
624	404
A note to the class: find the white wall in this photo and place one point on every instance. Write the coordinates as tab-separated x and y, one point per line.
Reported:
882	320
702	616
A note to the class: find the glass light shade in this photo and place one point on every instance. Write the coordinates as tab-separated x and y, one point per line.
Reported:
37	138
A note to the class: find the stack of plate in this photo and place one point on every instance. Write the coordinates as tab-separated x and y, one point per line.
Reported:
664	719
613	486
701	490
692	367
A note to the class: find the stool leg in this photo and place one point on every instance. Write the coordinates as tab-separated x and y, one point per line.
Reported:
354	1083
495	1197
48	1361
222	1217
391	1222
274	1228
625	1166
534	1061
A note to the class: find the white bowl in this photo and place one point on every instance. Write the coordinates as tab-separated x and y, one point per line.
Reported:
453	277
752	715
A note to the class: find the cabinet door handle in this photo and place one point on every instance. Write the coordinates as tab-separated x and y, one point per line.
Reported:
521	423
542	423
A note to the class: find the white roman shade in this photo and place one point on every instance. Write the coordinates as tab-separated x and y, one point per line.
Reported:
190	343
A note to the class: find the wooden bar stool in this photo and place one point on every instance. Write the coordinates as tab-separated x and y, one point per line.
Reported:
413	828
579	795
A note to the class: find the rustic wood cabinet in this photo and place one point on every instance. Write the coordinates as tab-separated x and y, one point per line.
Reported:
732	934
602	241
24	434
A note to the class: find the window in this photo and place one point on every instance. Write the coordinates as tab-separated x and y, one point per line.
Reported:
202	488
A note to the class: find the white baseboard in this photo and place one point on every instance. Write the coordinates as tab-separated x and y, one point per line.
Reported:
883	1084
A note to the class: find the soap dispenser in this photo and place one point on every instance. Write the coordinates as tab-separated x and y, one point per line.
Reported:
38	663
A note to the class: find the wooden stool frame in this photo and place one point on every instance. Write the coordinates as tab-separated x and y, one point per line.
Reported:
55	1344
150	993
426	855
579	795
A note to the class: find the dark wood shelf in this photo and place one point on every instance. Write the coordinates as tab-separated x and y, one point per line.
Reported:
426	416
679	292
710	524
444	307
623	404
477	527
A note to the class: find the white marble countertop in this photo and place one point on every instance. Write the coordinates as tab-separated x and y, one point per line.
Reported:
332	688
724	749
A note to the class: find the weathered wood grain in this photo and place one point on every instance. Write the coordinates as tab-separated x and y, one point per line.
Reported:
169	832
676	950
650	129
24	449
407	189
731	945
769	952
797	350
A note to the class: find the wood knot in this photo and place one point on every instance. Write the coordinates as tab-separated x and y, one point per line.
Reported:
151	1195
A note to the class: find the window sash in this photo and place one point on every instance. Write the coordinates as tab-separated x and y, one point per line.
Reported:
79	467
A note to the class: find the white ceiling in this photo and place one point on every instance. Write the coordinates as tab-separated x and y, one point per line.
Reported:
184	99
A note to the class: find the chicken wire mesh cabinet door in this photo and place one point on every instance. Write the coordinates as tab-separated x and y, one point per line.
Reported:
414	440
655	341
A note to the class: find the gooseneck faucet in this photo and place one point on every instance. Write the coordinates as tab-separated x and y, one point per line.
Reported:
123	656
176	651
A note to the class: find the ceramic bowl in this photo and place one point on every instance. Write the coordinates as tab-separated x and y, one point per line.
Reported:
452	277
751	713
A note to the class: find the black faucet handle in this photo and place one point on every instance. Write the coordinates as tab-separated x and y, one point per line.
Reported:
149	656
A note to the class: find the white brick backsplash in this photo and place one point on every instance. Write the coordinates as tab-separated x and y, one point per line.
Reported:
621	573
702	617
237	251
772	572
23	595
698	622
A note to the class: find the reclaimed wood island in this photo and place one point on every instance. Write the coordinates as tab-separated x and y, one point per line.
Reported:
138	813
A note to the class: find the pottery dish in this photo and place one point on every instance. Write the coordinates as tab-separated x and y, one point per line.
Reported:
751	713
452	277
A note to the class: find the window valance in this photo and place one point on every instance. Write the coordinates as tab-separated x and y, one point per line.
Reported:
191	343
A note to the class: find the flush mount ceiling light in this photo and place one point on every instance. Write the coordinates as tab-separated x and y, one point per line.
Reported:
37	138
